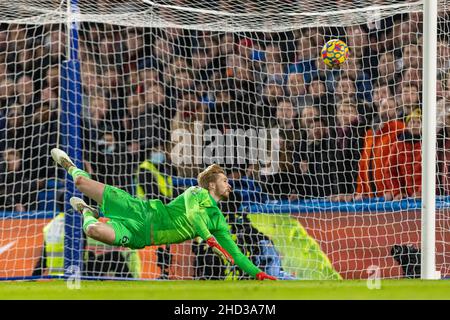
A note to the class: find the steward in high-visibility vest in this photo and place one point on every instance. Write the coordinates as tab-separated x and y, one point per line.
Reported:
54	245
152	183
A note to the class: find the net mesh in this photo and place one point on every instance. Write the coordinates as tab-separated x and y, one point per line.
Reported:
325	163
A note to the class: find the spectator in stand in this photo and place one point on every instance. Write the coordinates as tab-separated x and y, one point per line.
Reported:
226	47
405	31
90	83
322	98
180	41
52	78
209	41
278	177
404	167
348	135
134	125
177	64
132	82
243	79
289	134
441	87
148	76
111	162
17	191
23	60
314	172
55	44
95	124
443	54
345	89
266	108
245	48
413	76
6	93
98	119
113	84
162	53
133	49
408	99
188	121
41	135
318	91
201	63
145	124
227	112
275	69
376	152
4	71
306	55
307	115
380	93
155	99
297	90
50	98
16	38
204	56
386	69
353	69
358	42
183	80
109	47
26	95
13	134
411	56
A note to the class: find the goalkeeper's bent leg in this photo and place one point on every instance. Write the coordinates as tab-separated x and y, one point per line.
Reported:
92	189
91	226
83	181
98	230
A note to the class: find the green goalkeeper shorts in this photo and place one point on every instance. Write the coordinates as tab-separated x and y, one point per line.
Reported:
129	217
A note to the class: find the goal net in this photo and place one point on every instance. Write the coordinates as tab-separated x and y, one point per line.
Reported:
325	164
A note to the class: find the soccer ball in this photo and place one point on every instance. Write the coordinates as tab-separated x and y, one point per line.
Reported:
334	53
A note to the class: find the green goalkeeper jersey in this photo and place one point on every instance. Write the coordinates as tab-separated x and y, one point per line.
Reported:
191	214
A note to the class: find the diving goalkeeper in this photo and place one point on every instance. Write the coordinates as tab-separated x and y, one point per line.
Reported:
136	223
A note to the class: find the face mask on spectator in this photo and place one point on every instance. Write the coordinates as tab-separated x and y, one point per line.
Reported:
110	149
107	148
157	157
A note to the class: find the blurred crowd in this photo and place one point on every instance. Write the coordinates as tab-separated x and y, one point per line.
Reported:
345	134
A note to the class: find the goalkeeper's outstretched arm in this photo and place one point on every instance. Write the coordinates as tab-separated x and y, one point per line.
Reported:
225	241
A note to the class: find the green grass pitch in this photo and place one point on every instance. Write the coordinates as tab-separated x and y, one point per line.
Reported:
225	290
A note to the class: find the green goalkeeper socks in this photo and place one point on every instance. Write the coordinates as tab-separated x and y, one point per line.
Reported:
89	219
75	172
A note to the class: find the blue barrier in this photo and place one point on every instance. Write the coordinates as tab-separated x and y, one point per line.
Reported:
319	206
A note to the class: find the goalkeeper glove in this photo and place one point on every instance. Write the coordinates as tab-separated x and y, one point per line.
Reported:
211	241
262	276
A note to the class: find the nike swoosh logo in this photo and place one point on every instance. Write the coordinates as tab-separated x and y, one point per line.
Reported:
6	247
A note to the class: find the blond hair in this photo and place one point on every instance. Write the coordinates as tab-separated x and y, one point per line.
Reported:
209	175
